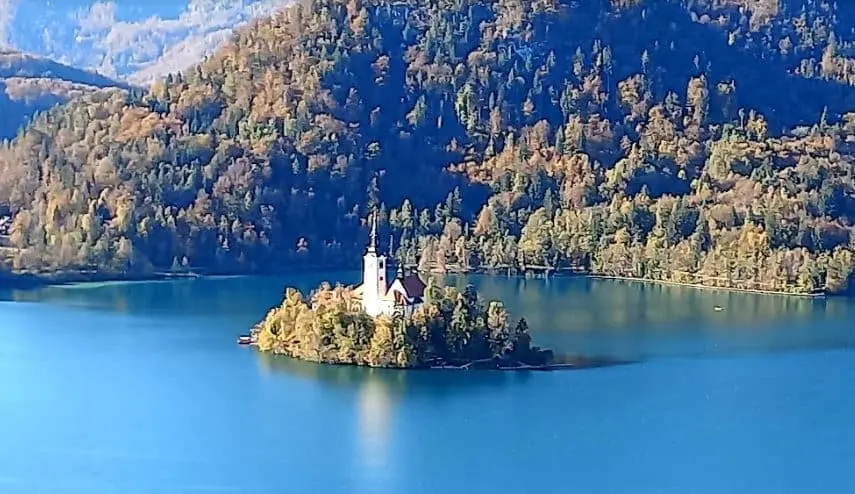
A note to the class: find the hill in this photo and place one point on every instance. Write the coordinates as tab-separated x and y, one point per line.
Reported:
694	142
126	39
29	84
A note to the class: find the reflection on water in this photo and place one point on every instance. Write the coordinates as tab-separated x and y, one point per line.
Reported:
571	304
635	320
230	295
394	383
596	318
160	395
377	392
379	396
375	414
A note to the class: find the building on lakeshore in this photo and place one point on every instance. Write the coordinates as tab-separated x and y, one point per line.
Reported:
403	295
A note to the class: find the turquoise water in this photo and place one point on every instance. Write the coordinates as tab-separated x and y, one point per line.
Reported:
140	388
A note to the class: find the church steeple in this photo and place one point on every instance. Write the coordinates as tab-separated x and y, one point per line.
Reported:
374	285
372	243
378	295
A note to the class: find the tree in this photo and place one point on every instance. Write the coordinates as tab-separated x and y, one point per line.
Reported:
521	339
470	119
452	326
499	333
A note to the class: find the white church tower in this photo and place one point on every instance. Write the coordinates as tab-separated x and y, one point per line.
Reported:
403	295
373	275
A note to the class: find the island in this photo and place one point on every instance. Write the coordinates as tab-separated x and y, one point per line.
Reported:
451	329
402	323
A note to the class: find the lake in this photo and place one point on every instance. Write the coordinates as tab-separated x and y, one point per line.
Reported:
139	388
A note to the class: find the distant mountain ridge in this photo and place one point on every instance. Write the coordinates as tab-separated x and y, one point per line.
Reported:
29	84
131	40
23	65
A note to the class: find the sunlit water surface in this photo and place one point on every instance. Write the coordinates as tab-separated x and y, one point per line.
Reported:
139	388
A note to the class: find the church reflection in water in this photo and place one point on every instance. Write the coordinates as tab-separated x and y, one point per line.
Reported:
375	393
375	423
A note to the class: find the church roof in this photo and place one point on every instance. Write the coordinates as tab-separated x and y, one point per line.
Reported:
399	298
414	285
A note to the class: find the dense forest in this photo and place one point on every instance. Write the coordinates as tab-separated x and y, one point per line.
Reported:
452	327
694	141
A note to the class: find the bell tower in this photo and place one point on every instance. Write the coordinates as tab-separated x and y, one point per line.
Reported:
373	274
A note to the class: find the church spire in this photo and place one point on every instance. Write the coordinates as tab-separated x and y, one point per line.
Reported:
372	245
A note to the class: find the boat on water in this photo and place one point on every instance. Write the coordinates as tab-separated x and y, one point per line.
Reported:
718	308
244	339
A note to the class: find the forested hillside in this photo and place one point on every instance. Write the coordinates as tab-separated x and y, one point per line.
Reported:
30	84
697	141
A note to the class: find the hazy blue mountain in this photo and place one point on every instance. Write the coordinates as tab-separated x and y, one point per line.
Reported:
134	40
29	84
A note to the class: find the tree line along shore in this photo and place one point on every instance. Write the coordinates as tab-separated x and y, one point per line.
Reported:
634	139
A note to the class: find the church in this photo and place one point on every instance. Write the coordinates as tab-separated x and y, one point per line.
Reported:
403	295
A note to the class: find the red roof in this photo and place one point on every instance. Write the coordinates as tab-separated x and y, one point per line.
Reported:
400	299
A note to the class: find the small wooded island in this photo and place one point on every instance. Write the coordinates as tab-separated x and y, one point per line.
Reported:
451	328
403	324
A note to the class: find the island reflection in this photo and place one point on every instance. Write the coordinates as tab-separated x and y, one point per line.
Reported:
394	383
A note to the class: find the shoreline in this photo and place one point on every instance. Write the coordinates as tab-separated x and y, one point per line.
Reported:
480	366
557	363
817	295
571	273
31	281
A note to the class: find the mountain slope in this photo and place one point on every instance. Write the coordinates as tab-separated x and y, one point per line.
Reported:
23	65
625	138
29	84
128	39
